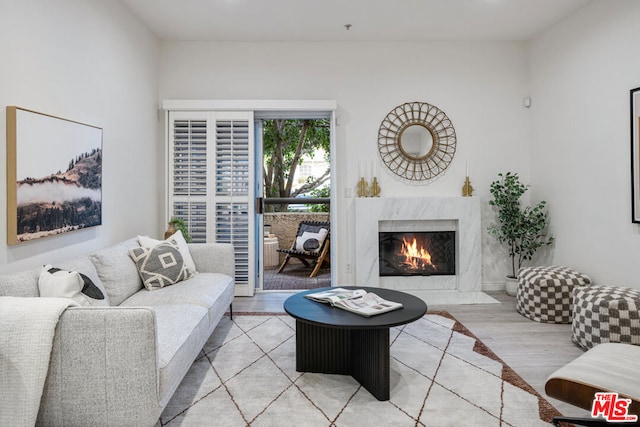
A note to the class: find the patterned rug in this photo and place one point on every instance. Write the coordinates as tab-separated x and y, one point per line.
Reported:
441	375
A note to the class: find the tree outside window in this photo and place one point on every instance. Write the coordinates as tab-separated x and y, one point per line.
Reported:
296	160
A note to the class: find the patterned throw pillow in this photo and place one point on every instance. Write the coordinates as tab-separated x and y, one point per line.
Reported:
149	242
311	242
161	265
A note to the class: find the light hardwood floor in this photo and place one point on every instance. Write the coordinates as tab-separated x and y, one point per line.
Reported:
534	350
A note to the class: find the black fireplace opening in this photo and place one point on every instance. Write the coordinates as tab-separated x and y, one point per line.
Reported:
423	253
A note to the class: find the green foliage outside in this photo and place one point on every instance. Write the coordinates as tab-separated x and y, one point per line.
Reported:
286	141
320	193
523	230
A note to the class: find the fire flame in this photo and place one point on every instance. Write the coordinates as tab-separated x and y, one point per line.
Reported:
415	257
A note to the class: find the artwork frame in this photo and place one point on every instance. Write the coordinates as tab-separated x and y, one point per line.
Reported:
634	98
42	200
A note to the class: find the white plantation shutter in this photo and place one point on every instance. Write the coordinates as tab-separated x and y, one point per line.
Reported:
233	178
232	226
188	172
195	215
232	157
210	162
190	157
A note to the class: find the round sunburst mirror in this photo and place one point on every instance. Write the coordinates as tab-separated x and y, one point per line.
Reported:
417	141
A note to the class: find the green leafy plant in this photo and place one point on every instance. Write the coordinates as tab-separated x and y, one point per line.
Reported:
179	224
324	192
523	230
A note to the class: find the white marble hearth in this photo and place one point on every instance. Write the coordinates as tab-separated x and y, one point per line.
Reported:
461	214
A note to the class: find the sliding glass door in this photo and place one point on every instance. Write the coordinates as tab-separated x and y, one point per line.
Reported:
216	173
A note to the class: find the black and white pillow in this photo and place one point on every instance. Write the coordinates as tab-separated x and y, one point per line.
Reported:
311	241
161	265
56	283
149	242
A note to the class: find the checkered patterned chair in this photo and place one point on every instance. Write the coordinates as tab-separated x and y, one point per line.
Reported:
605	314
545	294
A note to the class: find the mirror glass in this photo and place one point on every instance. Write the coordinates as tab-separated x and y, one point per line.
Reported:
416	141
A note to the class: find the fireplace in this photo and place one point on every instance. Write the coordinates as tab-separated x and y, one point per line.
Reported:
423	253
409	214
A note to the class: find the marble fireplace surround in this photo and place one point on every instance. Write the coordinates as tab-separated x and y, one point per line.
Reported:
461	214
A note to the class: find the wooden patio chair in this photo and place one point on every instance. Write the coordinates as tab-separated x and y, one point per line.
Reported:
312	243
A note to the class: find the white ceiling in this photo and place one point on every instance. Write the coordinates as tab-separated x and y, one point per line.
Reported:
371	20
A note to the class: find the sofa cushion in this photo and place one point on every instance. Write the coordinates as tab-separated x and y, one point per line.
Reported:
213	291
214	258
22	284
182	330
57	283
186	314
117	271
161	265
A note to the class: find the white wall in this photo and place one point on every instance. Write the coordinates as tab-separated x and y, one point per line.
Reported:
92	62
581	74
480	86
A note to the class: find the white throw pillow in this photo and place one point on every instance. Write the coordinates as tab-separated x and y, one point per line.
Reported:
311	242
56	283
149	242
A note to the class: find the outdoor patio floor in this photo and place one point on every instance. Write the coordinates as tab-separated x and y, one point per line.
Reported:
295	277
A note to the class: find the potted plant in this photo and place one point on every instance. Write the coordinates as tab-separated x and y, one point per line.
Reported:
178	224
524	230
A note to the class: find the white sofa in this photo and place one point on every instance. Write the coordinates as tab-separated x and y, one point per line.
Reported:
119	364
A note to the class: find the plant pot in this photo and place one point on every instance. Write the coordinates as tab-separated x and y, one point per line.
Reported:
511	285
170	231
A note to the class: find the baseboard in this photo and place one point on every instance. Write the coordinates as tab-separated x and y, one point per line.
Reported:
451	297
493	286
242	290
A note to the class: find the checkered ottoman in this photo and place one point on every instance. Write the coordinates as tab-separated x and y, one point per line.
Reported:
545	293
605	314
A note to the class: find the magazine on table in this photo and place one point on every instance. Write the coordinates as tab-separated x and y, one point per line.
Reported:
357	301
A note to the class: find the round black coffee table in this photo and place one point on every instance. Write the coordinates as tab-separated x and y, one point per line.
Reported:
330	340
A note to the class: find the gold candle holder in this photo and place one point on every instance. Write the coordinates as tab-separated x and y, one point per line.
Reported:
363	188
467	189
375	188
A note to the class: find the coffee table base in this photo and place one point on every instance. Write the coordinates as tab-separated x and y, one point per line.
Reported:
361	353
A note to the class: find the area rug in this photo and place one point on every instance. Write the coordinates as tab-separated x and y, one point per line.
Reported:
441	375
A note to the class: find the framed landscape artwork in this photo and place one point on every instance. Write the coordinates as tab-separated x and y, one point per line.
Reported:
54	175
635	155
